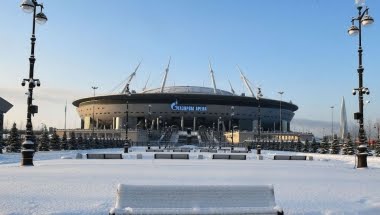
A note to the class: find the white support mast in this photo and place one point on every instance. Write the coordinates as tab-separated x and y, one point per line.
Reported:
232	89
146	83
165	76
126	88
212	76
244	79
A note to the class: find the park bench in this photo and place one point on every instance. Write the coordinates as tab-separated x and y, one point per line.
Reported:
171	156
239	151
289	157
209	150
195	199
181	150
154	150
229	157
104	156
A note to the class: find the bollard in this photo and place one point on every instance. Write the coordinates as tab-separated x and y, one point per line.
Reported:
362	156
258	149
249	148
126	146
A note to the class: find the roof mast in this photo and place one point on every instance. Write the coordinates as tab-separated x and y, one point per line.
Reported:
126	88
165	76
146	83
212	76
244	79
232	89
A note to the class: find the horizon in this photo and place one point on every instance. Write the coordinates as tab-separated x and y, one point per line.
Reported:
295	47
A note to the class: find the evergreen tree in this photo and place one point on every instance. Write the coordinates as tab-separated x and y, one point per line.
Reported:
55	142
13	141
350	145
80	142
98	143
324	148
298	146
64	144
90	142
377	148
43	144
280	146
334	147
1	142
345	147
72	143
292	146
306	147
314	146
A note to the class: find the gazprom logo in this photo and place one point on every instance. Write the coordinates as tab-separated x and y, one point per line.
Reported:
176	107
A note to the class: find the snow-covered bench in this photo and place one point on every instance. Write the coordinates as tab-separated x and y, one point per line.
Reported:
171	156
239	151
104	156
229	157
195	199
289	157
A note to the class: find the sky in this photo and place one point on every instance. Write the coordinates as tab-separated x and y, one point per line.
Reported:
300	47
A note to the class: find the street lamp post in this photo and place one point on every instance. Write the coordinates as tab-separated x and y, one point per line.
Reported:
378	129
232	125
363	19
281	92
126	144
93	112
332	122
27	152
258	97
213	130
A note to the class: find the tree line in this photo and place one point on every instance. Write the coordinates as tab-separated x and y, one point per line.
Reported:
55	143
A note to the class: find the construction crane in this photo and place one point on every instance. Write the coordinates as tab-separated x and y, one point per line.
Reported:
129	79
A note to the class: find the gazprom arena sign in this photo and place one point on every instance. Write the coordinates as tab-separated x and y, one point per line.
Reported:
175	106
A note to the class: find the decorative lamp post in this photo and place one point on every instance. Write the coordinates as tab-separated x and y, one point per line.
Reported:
232	129
93	112
362	19
126	144
27	152
258	97
378	129
332	122
149	117
281	92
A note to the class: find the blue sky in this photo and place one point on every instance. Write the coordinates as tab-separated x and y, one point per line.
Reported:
300	47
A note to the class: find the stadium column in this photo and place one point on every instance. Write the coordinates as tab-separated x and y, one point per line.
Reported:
194	123
182	123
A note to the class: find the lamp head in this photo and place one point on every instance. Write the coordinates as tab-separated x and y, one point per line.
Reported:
359	3
41	18
353	92
27	6
353	30
367	20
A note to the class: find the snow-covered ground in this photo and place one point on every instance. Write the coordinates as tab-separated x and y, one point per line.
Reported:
327	185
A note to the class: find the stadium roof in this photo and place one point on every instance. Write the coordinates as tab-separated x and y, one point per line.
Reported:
188	90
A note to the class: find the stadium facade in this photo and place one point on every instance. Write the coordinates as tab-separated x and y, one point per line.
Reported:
185	107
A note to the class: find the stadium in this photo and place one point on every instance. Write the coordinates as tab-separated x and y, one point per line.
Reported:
184	108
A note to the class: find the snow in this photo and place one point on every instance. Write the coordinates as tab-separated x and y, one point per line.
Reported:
329	184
